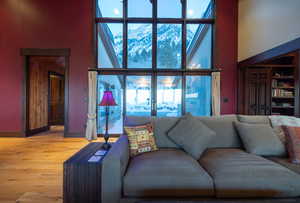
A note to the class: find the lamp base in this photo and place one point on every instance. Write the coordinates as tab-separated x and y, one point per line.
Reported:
106	146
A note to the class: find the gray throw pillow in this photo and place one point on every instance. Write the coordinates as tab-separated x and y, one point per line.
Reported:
260	139
191	135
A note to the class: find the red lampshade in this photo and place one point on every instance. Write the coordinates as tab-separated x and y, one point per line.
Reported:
107	99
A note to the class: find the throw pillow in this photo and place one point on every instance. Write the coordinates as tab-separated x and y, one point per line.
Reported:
278	130
191	135
279	121
293	142
141	139
260	139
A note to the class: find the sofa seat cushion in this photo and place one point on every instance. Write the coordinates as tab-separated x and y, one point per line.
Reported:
166	173
237	174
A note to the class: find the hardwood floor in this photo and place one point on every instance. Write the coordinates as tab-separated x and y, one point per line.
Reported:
35	164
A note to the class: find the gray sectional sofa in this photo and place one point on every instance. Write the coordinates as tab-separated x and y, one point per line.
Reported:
224	173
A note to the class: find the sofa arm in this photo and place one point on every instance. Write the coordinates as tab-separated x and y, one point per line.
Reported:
114	166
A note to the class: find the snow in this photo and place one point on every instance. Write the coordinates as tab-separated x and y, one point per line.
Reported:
140	44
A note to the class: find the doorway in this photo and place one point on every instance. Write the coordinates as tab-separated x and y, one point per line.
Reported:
56	100
45	91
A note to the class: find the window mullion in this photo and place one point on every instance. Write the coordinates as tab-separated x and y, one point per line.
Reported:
125	34
154	59
124	97
154	94
183	35
183	110
183	50
125	37
154	34
183	57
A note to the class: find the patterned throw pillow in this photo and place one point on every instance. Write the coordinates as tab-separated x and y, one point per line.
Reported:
141	139
279	121
293	142
280	133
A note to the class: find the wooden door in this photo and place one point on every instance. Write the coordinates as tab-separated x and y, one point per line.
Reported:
37	99
56	99
258	91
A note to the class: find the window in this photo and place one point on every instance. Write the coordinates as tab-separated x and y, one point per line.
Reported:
110	45
114	83
155	56
168	97
169	9
198	95
169	46
138	95
139	45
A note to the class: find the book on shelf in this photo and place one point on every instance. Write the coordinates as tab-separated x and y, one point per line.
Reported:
282	93
280	84
282	104
283	75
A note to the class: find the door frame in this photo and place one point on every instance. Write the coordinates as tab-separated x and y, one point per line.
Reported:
49	91
26	53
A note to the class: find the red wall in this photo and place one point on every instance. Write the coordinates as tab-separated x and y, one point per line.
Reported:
226	52
44	24
68	24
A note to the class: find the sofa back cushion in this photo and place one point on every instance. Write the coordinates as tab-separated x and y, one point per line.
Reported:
162	125
260	139
223	126
226	135
254	119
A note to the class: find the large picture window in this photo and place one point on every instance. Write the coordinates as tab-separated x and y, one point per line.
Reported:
156	56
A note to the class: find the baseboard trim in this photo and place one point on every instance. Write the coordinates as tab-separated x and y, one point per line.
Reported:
11	134
37	130
75	134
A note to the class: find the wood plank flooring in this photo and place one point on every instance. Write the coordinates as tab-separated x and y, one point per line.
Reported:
35	164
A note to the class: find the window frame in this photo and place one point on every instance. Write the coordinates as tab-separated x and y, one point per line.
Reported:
154	71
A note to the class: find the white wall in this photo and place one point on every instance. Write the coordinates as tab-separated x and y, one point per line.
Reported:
265	24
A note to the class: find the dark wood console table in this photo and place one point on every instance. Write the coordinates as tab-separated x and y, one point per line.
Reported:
82	175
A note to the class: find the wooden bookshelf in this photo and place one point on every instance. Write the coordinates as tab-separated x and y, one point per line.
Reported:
283	88
272	87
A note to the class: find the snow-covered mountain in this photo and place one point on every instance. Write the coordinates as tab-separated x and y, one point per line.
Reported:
140	45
